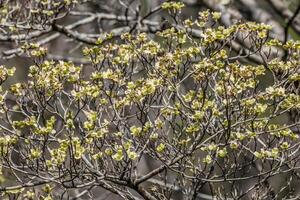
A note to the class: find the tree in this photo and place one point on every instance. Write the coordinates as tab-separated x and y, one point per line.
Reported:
178	109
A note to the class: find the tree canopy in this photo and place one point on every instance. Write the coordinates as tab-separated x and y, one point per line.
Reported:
143	101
